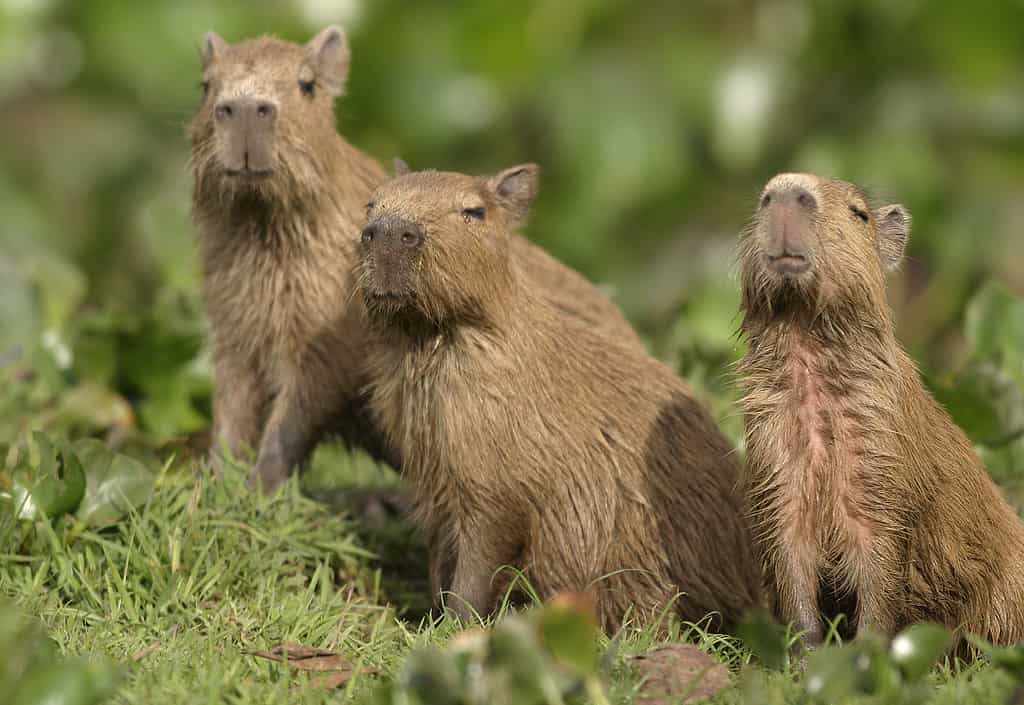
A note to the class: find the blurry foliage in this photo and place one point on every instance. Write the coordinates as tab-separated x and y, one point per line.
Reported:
656	125
546	656
32	671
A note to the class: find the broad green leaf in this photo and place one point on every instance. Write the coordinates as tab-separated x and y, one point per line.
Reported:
429	677
568	631
765	637
994	326
832	674
972	410
917	648
114	484
65	683
53	487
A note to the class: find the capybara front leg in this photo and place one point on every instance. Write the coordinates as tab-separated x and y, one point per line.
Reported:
796	583
239	409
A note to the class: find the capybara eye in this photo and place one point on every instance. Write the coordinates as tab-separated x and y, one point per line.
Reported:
862	214
368	234
477	213
765	200
410	238
306	87
205	87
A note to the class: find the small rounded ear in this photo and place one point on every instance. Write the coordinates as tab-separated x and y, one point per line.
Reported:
893	232
515	188
328	55
401	168
212	47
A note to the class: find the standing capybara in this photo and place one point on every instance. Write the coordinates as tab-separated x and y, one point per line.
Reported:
865	497
278	194
530	439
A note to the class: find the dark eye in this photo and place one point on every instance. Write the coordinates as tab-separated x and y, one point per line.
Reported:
205	87
859	213
477	213
306	87
765	200
369	206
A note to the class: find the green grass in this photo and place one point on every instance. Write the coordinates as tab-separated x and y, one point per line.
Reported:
178	590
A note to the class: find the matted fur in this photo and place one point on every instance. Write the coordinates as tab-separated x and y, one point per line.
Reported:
861	489
533	440
278	251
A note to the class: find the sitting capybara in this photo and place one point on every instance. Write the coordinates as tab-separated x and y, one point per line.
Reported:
277	195
865	498
530	439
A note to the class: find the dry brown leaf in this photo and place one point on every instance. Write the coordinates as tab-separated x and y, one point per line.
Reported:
335	668
330	681
678	674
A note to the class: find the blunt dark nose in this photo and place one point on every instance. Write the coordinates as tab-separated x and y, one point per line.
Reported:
245	110
392	231
790	195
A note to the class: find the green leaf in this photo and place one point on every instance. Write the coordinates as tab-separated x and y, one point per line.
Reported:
568	633
917	648
994	325
972	410
55	486
428	676
1008	658
832	675
65	683
766	638
114	484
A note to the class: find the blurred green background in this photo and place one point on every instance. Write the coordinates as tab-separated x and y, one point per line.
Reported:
656	124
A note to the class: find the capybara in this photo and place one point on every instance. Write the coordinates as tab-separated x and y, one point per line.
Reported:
278	195
865	498
530	439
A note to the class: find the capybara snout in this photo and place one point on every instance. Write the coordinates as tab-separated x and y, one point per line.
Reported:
245	128
390	248
788	209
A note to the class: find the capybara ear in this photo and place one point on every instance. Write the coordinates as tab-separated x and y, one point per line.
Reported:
328	55
515	188
212	47
401	168
893	232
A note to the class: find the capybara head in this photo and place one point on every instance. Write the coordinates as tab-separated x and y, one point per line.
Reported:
815	244
436	244
266	106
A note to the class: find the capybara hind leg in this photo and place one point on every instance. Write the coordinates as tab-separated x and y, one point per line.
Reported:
482	552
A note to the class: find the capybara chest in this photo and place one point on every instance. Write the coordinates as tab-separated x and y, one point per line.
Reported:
811	459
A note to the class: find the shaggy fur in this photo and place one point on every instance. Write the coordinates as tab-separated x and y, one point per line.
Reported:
278	247
864	496
532	440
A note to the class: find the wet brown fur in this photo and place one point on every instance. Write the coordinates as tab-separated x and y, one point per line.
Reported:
861	489
277	253
532	440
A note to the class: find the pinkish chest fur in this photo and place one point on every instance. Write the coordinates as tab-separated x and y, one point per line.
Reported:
811	446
